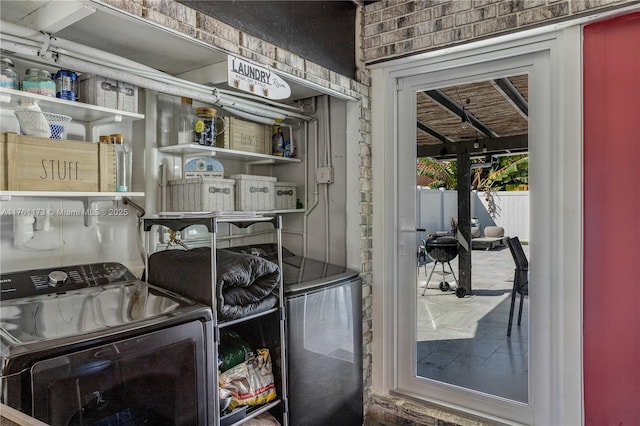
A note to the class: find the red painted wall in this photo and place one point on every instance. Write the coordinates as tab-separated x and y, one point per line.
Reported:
612	222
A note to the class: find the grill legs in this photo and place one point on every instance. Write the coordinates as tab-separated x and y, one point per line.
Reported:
444	273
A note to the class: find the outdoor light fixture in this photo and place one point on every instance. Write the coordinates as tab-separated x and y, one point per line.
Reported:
465	122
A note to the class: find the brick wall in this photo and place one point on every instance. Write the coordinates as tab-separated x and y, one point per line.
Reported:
396	28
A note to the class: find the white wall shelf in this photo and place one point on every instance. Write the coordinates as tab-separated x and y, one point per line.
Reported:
88	199
97	196
226	154
78	111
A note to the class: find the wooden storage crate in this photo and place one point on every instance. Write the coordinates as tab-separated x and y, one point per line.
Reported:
38	164
201	195
255	193
243	135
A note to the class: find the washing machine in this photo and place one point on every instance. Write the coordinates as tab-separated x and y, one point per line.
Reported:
92	345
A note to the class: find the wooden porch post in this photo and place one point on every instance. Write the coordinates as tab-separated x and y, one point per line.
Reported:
464	222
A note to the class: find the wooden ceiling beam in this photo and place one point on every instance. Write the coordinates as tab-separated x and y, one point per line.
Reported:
509	91
457	109
430	131
507	144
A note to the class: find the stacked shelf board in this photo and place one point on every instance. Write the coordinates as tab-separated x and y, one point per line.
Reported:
92	115
211	222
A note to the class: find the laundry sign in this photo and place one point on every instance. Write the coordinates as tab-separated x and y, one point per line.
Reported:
255	79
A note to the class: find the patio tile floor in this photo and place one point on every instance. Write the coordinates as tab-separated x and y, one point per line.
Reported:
464	342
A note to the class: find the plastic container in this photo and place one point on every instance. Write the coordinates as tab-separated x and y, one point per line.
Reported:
67	85
277	142
187	122
10	77
123	162
40	82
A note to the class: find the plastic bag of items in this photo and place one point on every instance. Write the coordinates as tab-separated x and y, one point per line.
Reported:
250	382
233	349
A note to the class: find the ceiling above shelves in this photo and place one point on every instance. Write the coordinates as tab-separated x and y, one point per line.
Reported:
106	28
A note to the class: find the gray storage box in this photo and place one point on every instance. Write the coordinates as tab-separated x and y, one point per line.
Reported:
108	93
201	195
285	195
255	193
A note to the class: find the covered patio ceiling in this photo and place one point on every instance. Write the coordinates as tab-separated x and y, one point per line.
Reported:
487	117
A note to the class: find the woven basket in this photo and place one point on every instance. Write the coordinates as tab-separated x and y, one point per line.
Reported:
43	124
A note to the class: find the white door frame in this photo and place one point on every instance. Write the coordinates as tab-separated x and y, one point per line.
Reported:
553	60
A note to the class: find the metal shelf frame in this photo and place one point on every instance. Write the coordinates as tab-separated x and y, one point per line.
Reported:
211	221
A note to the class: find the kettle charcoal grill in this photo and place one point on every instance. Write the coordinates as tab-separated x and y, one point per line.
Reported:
442	249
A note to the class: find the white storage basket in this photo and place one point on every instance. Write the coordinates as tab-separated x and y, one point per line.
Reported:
201	195
255	193
285	195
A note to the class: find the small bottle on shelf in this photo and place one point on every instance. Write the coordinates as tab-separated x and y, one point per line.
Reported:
277	141
187	122
123	163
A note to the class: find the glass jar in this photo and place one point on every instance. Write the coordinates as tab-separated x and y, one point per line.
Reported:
10	77
205	127
40	82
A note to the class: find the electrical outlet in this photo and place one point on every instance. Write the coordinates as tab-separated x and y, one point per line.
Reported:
324	175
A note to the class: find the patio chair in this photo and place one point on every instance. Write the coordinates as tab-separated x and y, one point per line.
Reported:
520	278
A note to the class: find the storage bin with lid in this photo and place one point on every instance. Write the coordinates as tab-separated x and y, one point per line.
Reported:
10	78
285	194
254	193
200	194
108	93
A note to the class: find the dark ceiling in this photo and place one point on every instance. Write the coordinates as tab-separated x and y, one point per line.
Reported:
320	31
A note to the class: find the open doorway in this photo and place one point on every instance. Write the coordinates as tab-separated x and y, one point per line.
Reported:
472	199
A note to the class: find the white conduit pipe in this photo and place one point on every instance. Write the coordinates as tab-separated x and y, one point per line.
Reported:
84	56
232	101
306	186
316	192
242	114
251	109
258	98
85	53
327	150
124	64
99	69
159	86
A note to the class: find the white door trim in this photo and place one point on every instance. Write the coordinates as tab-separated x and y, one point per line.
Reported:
556	179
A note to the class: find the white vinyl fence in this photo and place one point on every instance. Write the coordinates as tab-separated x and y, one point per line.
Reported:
509	209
